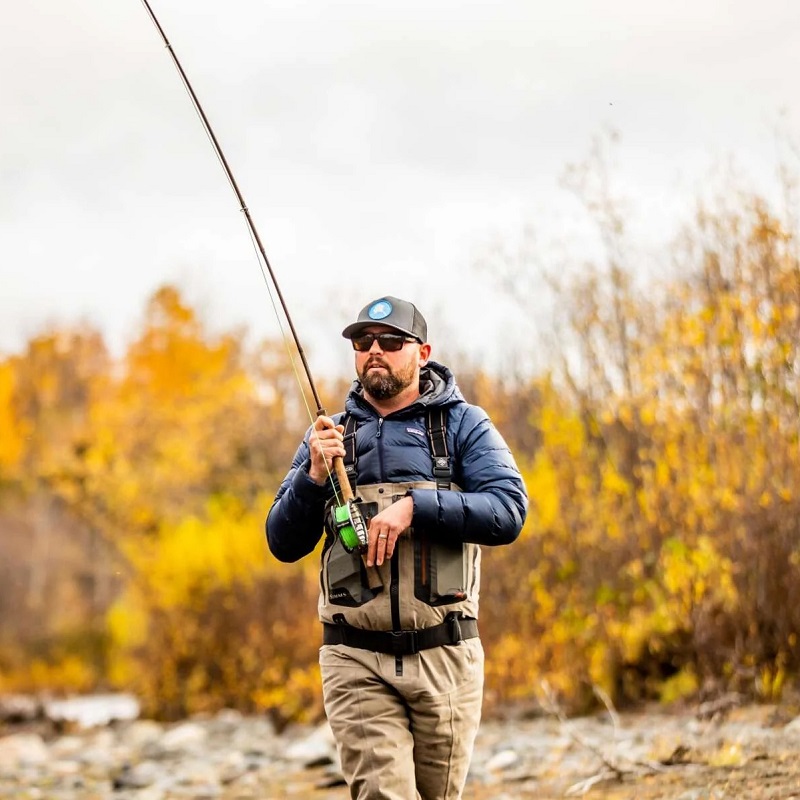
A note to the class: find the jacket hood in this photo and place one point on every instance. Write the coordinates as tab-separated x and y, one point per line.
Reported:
437	387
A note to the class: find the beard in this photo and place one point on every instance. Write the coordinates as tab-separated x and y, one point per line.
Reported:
389	383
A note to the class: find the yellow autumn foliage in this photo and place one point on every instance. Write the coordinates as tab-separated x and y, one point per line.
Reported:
661	452
12	442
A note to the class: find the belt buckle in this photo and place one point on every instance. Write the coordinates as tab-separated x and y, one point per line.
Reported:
455	628
404	643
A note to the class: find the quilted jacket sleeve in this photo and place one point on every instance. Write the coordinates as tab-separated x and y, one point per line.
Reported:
493	503
295	520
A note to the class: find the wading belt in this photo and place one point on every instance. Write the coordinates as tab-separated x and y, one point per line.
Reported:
401	643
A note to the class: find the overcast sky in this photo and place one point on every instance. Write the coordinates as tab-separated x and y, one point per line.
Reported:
380	145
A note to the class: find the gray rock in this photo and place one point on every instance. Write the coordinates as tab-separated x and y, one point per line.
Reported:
196	772
502	760
67	746
94	710
19	708
141	733
22	749
793	726
64	768
316	749
137	776
233	767
184	737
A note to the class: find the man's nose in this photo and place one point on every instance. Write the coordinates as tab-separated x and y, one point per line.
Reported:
376	346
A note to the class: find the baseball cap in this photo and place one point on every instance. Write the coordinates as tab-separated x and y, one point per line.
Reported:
394	313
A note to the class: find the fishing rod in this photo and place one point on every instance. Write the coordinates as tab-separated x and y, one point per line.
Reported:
347	517
242	205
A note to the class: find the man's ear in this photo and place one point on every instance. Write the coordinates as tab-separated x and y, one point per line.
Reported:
424	354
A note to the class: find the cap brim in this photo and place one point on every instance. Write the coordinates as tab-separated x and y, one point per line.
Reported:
357	327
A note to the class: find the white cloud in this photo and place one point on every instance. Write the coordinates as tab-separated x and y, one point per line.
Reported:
378	145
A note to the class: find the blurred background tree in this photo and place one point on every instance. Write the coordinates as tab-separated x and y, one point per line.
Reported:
657	433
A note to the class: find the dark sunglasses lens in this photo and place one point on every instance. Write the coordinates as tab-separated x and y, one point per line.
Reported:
362	343
388	342
391	342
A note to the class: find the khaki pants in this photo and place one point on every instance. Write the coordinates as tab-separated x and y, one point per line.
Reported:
409	736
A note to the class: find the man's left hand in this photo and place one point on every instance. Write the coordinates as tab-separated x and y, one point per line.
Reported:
386	527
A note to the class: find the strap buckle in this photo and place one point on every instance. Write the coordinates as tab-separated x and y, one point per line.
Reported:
403	643
454	627
442	472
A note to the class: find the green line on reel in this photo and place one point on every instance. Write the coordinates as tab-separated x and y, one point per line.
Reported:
350	526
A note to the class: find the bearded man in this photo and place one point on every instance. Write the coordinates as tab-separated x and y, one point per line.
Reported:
401	659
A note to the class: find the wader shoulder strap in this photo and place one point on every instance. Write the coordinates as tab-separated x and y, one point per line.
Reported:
350	457
437	436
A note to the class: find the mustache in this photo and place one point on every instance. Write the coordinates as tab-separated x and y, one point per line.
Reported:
375	362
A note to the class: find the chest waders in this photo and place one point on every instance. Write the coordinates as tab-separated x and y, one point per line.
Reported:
425	596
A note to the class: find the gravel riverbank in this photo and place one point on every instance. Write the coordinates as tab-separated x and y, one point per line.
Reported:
731	752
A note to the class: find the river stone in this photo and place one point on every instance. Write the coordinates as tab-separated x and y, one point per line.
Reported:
137	776
21	749
317	749
64	768
94	710
502	760
67	746
233	767
793	726
19	708
183	737
196	772
141	733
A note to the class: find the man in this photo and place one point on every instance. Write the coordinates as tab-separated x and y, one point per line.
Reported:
401	663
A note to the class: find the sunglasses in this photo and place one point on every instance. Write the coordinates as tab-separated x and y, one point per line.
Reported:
388	342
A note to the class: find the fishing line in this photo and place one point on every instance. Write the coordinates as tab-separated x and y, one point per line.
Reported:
261	255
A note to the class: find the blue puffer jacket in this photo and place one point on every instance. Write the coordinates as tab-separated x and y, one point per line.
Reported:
490	509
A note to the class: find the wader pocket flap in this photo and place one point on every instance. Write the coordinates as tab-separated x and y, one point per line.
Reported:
440	572
347	577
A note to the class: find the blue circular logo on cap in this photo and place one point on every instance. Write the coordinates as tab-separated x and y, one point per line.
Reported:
380	310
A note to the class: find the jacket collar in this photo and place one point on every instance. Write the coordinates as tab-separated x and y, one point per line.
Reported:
437	386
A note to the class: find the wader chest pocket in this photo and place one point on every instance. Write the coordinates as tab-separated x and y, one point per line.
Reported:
440	574
347	578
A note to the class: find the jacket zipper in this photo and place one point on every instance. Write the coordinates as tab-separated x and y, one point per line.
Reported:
380	444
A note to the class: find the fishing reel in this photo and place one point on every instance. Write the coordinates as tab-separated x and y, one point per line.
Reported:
350	526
